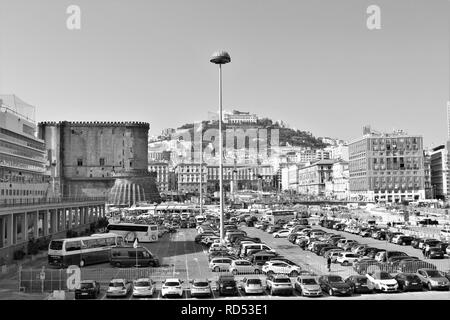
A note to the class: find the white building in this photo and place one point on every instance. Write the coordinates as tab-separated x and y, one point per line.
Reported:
238	117
338	187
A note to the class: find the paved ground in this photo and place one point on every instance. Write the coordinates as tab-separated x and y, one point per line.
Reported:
179	253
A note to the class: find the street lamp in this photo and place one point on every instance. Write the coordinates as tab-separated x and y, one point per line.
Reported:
220	58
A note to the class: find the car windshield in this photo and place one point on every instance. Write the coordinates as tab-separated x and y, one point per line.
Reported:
309	281
201	284
412	277
282	280
116	284
229	282
142	284
335	279
434	273
172	284
254	281
384	276
86	285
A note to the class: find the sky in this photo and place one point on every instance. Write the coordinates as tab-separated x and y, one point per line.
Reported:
313	64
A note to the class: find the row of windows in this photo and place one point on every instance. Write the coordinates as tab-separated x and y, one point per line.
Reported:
14	192
21	151
20	139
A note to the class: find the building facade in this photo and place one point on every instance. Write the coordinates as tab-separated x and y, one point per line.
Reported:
312	177
427	174
241	177
439	172
239	117
162	175
188	177
387	167
338	187
23	175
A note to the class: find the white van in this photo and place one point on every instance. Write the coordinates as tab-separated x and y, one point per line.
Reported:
247	246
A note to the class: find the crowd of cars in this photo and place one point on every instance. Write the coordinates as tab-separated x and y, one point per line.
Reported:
246	265
377	270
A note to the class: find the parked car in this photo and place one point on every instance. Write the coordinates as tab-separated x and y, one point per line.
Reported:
433	279
307	286
279	284
346	258
382	281
226	285
172	287
243	267
143	287
334	285
220	264
121	256
251	286
281	233
334	254
379	235
383	256
358	284
435	253
408	282
402	240
88	289
118	288
280	267
201	288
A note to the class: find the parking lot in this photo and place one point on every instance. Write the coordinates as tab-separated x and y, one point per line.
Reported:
186	259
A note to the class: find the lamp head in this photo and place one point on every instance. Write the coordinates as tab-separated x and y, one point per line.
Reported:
220	57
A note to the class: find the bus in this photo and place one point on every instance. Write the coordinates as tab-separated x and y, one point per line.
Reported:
275	216
131	231
82	251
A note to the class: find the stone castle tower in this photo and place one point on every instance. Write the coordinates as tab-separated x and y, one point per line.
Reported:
100	159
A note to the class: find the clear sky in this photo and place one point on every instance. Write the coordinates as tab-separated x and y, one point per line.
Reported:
313	64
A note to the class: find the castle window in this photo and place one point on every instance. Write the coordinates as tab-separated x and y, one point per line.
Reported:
79	162
102	162
131	163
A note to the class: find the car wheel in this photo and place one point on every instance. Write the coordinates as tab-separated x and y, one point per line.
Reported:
330	292
216	269
82	263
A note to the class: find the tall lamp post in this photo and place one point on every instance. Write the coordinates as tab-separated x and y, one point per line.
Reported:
220	58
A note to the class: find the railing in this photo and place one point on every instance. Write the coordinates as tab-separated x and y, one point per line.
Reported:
62	200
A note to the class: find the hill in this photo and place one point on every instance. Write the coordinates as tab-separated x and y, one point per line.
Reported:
289	136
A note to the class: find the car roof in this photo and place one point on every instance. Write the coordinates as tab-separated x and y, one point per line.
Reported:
143	279
172	280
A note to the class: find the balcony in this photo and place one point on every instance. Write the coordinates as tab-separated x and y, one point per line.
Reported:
32	202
